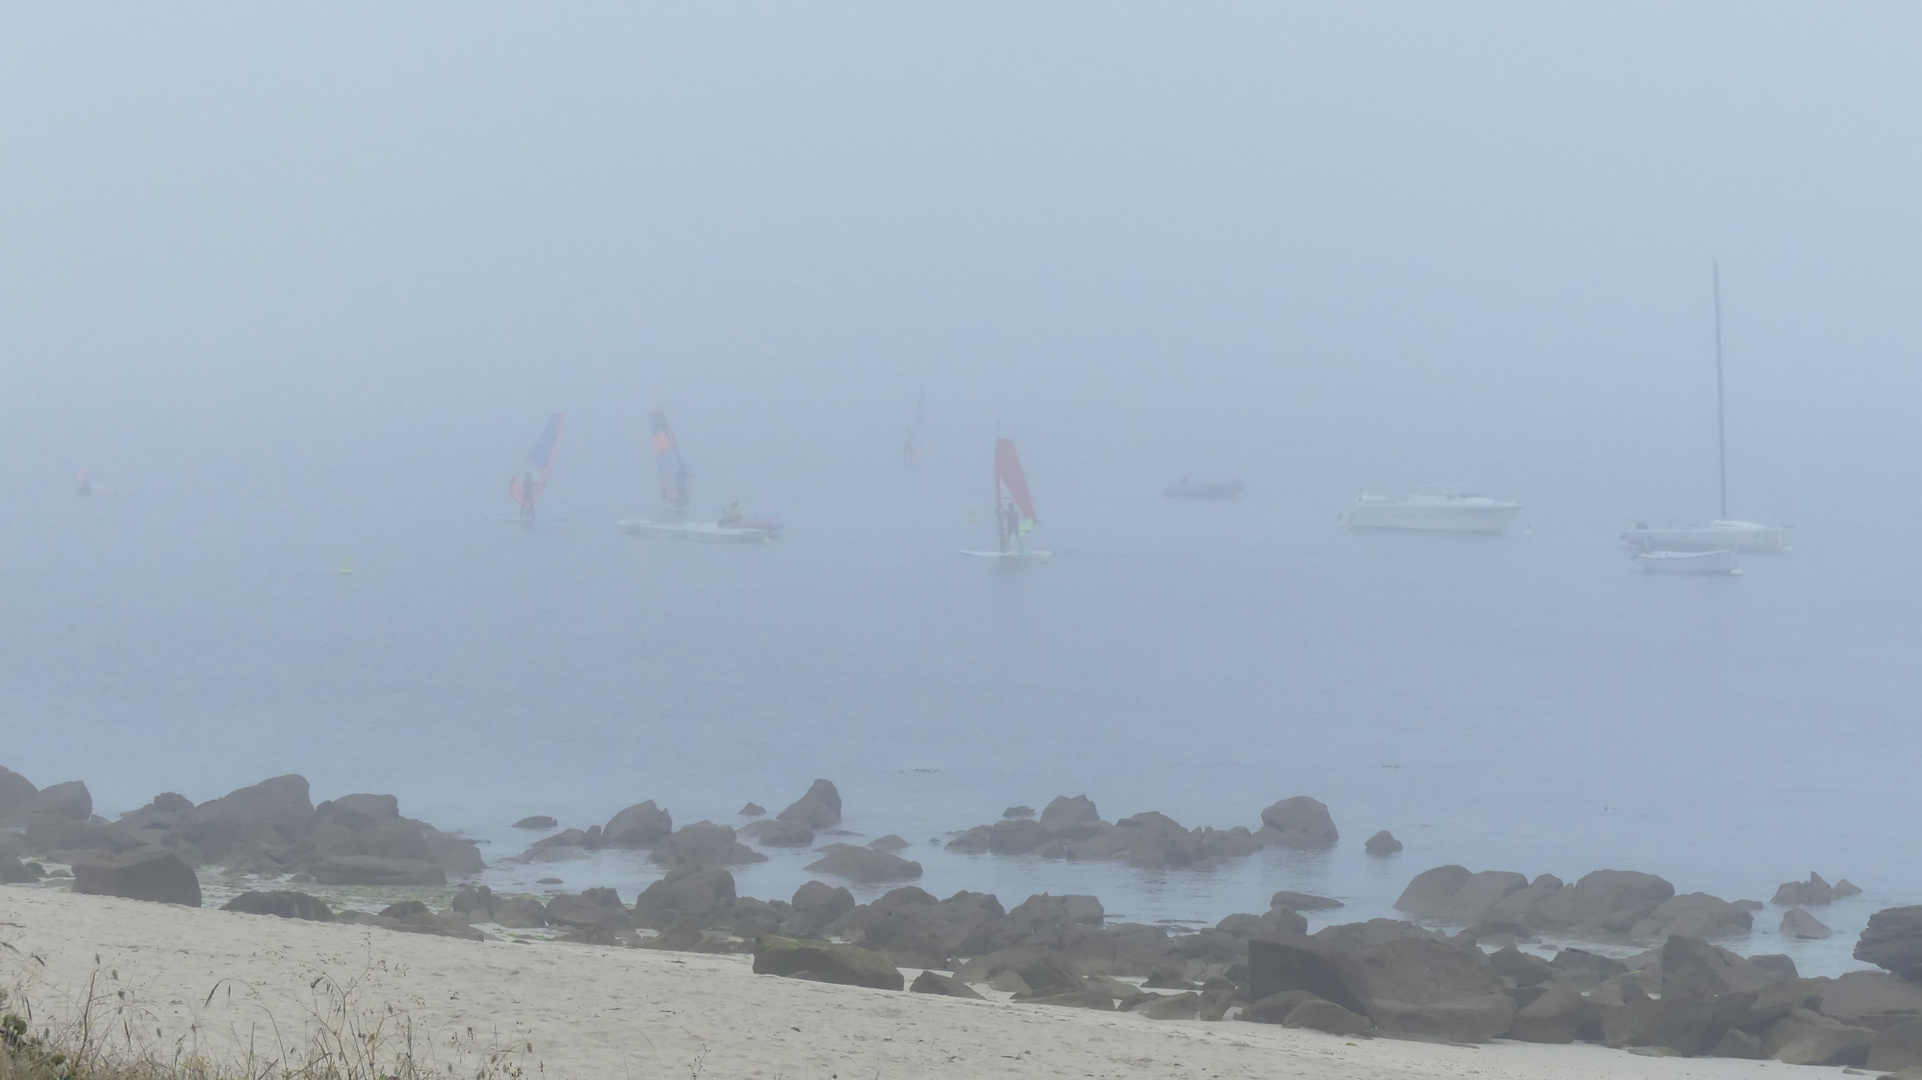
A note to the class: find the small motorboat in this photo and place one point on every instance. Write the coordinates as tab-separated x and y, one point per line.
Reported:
1185	488
1717	561
1435	508
1735	535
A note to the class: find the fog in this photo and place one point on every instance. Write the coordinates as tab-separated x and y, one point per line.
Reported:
333	250
304	282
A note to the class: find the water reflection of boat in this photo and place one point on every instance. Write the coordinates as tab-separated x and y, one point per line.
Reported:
1436	508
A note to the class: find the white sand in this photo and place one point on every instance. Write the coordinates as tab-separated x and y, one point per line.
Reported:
609	1012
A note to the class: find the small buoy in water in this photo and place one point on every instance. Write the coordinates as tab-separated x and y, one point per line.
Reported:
346	568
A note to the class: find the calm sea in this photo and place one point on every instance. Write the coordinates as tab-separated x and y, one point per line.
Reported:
1526	702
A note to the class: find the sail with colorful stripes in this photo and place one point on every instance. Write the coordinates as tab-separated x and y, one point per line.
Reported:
1015	508
530	480
668	464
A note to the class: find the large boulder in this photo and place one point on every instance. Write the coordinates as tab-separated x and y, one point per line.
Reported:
863	864
1605	901
1016	836
1893	941
1042	971
593	909
1298	822
1433	891
774	832
59	817
1074	817
1561	1015
15	790
704	844
1292	962
269	816
1382	843
1814	892
1318	1015
816	904
285	905
687	889
849	965
1693	915
1298	901
639	826
376	870
1445	893
931	982
1798	923
1872	999
820	808
69	800
1899	1047
1429	989
154	874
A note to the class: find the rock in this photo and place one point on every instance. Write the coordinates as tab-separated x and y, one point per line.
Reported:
1299	822
1433	891
929	982
591	909
1075	999
639	826
1300	963
1086	910
861	864
69	801
1838	1045
1811	893
285	905
1871	999
1184	1006
1797	923
684	936
1042	971
153	874
1526	969
1583	960
704	844
1736	1043
1470	903
817	897
474	901
891	842
774	832
520	913
1604	901
1016	836
455	854
820	808
686	890
1295	901
1274	1008
375	870
1749	905
1693	915
1070	817
1775	967
753	810
1432	989
1327	1016
848	965
269	816
537	821
1561	1015
1844	889
404	909
1357	938
13	872
1382	843
1899	1047
1893	941
1018	812
15	790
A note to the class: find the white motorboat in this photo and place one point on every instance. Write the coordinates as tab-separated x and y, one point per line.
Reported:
1735	535
1716	561
705	532
1436	508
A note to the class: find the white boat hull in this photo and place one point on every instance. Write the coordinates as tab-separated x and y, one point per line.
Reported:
1733	535
701	532
1720	561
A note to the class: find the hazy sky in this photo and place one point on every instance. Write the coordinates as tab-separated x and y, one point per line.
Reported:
1326	247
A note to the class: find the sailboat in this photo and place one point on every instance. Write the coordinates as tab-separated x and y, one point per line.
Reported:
530	480
672	472
88	484
1013	507
1724	533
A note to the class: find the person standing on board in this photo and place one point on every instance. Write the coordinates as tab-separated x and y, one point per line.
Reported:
527	495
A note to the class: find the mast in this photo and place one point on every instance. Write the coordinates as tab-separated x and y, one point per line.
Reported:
1721	418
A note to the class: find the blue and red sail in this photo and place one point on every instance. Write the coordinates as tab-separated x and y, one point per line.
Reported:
667	462
531	478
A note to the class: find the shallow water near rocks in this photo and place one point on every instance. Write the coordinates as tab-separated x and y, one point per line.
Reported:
1524	703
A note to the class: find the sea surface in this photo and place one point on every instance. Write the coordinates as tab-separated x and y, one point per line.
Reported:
1525	702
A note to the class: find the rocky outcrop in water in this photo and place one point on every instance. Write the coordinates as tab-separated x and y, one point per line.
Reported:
1811	893
1070	827
820	808
1893	942
1603	904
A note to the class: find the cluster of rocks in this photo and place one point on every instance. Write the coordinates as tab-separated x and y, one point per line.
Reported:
1071	828
645	826
1606	904
271	827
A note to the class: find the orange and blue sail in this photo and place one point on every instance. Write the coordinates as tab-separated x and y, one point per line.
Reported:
668	464
1017	513
531	478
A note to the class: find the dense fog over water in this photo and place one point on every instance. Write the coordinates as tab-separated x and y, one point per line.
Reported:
304	283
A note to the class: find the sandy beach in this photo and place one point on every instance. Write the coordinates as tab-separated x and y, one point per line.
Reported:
218	982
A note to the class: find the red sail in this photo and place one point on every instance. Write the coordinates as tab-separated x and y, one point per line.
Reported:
1007	467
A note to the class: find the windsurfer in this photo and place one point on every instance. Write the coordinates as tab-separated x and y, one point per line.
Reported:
527	495
1010	523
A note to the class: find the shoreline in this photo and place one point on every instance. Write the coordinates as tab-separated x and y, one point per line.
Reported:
590	1010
